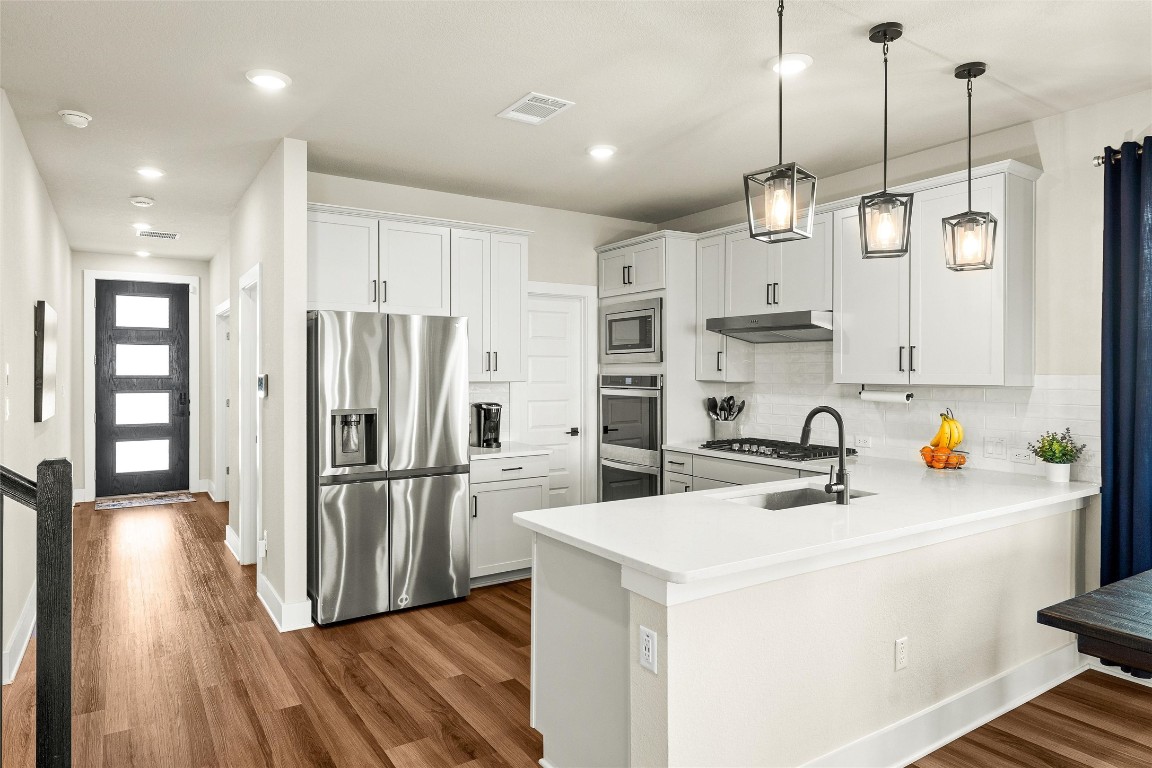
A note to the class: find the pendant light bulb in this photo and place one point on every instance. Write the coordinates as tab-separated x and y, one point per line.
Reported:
885	217
969	237
782	199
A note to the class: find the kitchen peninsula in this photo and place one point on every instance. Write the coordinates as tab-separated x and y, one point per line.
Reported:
776	630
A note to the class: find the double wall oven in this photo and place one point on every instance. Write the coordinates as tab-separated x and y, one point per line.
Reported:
631	432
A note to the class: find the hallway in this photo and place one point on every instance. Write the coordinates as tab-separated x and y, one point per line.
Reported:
177	663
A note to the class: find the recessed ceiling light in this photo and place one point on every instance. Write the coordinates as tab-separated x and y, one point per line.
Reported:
791	63
75	119
141	225
149	172
142	202
143	254
601	151
268	79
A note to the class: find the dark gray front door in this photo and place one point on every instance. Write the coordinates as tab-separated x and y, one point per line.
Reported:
142	387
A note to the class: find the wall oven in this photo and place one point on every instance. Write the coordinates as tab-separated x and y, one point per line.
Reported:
631	432
630	332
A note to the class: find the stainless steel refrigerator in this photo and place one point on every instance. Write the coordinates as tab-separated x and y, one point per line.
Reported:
387	462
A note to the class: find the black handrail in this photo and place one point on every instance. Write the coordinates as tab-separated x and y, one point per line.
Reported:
51	497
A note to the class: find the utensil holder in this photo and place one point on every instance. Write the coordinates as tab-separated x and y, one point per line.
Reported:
725	430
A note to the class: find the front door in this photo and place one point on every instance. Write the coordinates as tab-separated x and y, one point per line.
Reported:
550	409
142	404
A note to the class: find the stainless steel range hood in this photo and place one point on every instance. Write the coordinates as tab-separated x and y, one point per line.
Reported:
775	328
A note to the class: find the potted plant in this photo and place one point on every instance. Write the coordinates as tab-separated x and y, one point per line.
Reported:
1058	451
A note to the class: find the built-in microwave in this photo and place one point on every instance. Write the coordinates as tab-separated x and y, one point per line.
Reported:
630	332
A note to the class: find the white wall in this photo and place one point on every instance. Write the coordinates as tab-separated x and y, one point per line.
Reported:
269	227
103	262
561	245
35	265
1069	208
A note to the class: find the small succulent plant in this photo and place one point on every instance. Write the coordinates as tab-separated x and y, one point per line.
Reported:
1057	448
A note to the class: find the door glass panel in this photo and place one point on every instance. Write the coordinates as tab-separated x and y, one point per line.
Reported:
141	359
141	455
142	407
141	312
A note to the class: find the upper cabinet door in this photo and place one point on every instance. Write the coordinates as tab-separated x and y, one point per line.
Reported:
870	310
614	273
471	256
803	278
415	269
957	319
749	271
509	317
709	303
646	267
342	263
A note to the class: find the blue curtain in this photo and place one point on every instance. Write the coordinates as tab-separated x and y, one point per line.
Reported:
1126	375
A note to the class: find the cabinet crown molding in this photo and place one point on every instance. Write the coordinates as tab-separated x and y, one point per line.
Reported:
414	219
669	234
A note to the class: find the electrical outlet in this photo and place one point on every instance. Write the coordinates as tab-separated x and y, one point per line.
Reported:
648	654
1022	456
996	447
902	653
863	441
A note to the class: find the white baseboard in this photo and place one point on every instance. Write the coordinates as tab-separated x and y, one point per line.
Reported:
926	731
288	617
232	541
21	634
544	763
208	487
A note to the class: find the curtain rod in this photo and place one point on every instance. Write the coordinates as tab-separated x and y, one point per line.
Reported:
1099	159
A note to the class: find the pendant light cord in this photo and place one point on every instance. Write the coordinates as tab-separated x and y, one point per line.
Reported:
780	78
969	142
885	112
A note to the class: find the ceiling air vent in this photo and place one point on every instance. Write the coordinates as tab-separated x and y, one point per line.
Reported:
157	235
535	108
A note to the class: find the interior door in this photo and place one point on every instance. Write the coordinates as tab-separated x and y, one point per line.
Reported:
748	273
142	387
509	277
415	267
550	403
471	256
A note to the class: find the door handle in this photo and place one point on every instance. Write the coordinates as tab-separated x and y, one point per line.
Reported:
901	359
574	432
912	359
474	506
611	429
374	297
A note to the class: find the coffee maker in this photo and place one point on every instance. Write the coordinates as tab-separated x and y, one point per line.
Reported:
486	425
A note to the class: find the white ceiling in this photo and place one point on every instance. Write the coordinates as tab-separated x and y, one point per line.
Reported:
407	92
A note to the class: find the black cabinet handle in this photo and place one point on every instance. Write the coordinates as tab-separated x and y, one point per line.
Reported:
383	291
473	506
718	366
512	469
775	293
487	361
912	359
374	299
495	361
901	359
677	463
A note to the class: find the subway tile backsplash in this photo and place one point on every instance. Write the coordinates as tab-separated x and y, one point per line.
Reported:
792	378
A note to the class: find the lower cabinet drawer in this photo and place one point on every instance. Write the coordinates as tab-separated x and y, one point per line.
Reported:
675	482
707	484
680	463
739	472
494	470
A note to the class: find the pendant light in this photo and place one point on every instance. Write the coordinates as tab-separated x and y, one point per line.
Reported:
780	199
969	237
885	217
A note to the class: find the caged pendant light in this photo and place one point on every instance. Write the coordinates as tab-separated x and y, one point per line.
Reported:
969	237
885	217
780	199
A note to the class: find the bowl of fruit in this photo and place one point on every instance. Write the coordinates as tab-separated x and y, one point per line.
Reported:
941	452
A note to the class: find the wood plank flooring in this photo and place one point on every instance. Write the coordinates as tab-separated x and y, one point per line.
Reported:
177	664
1093	719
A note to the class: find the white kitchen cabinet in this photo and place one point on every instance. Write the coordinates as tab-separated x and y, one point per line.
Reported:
497	544
415	269
718	358
912	321
708	484
786	277
632	268
747	275
677	483
489	287
342	262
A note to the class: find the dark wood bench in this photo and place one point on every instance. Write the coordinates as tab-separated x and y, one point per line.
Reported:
1113	623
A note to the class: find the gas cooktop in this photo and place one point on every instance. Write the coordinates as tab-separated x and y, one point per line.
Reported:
775	449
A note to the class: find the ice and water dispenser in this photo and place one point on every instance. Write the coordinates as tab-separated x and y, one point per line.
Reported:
354	438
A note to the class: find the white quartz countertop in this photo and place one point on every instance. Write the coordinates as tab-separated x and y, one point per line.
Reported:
691	537
817	465
507	450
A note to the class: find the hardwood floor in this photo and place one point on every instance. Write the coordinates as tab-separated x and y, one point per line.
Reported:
176	663
1093	719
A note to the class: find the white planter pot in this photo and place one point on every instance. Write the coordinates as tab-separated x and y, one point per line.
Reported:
1058	473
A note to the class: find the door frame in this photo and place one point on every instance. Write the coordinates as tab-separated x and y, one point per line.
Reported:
222	367
249	465
88	493
589	306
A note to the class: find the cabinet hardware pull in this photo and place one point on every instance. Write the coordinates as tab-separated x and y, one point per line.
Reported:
901	359
473	506
374	298
487	361
383	291
624	274
775	293
912	359
718	361
495	361
767	293
687	488
512	469
677	463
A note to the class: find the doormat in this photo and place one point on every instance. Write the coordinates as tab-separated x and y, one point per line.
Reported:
144	500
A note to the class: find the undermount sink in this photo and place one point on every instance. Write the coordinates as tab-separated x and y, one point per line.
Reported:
797	497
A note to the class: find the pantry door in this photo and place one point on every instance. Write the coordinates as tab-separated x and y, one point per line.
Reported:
142	387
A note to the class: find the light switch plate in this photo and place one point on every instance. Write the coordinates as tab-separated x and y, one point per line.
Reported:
996	447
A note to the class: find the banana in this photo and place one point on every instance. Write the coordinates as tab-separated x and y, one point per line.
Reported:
943	435
956	429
